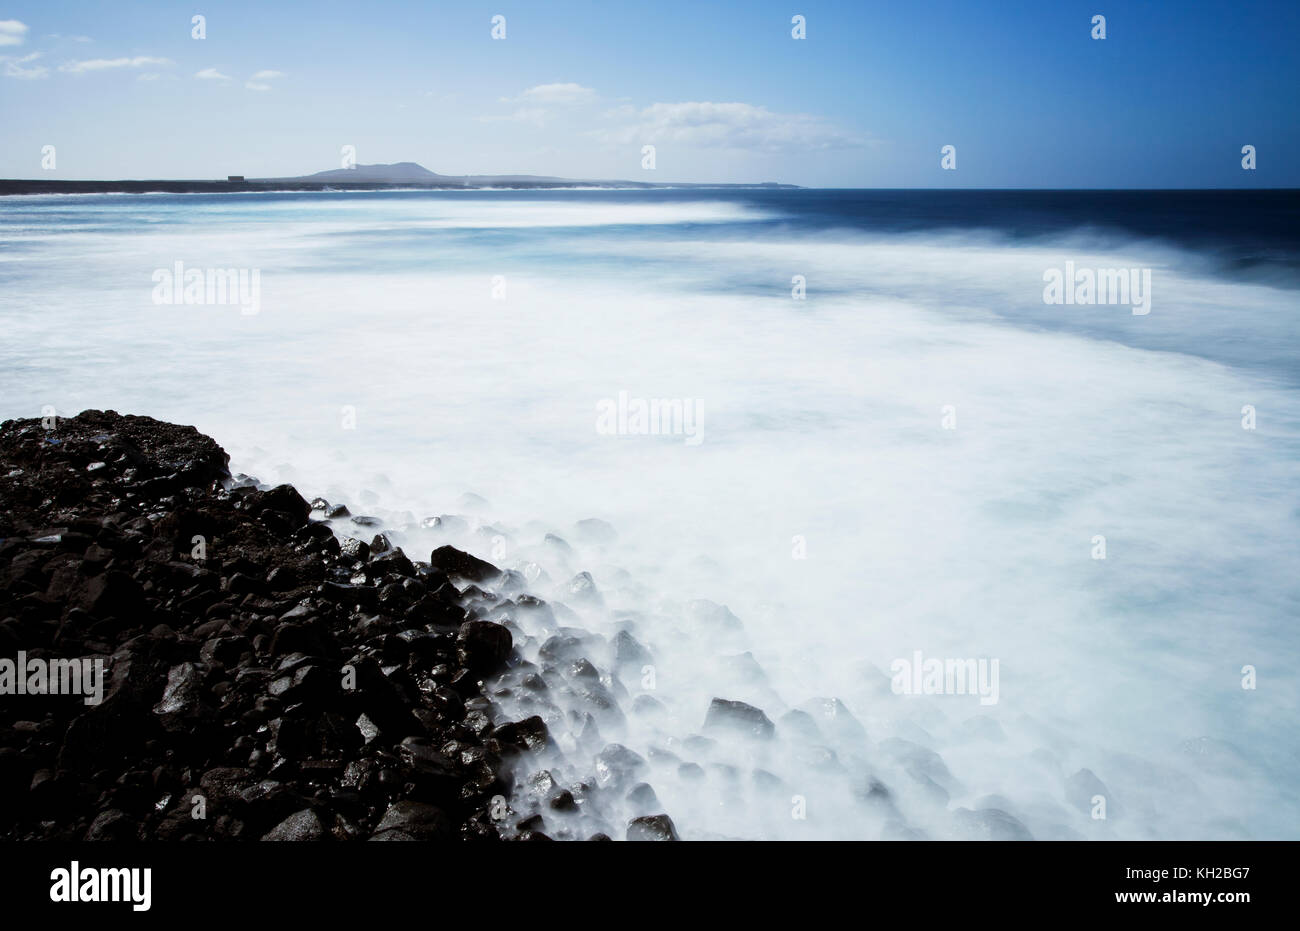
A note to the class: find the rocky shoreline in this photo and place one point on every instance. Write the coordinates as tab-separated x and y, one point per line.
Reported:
262	679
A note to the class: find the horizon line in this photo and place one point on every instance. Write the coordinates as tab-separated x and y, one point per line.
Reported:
611	184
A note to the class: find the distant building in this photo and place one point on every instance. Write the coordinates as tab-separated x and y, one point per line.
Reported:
234	177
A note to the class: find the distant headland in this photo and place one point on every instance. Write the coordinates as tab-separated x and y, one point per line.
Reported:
399	175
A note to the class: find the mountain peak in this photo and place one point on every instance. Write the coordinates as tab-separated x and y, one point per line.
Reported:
395	173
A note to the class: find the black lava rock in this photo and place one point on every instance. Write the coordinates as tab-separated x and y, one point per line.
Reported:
458	564
652	827
259	679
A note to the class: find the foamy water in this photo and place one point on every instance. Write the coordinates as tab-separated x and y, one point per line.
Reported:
827	506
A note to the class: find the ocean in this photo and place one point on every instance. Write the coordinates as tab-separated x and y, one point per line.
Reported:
853	418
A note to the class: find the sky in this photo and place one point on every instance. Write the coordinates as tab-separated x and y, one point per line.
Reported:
723	91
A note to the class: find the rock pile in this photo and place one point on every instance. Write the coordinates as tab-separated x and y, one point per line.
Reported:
261	679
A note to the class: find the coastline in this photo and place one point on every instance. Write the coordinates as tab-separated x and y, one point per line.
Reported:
15	187
261	680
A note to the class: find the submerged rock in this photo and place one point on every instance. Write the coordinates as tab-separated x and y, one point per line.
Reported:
617	765
738	717
1083	787
593	530
988	824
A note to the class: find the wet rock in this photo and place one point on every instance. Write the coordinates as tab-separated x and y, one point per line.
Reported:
1083	788
628	650
224	651
583	669
651	828
112	594
875	794
528	734
423	757
354	549
558	544
182	705
446	523
691	772
483	646
988	824
738	717
617	765
709	615
461	565
918	761
284	499
582	590
561	647
392	562
112	826
304	825
642	798
800	725
834	719
415	821
593	530
266	674
647	705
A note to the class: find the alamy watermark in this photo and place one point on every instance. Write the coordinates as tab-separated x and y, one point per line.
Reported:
920	676
626	416
35	676
233	286
1099	286
76	883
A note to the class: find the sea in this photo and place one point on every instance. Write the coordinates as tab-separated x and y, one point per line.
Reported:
985	503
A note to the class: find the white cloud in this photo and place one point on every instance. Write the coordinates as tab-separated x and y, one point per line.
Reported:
58	35
535	116
695	124
104	64
211	74
12	32
728	126
558	94
14	67
255	83
535	106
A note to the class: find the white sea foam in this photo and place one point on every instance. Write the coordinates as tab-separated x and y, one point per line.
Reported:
824	423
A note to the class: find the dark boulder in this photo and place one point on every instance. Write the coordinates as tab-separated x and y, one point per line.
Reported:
415	821
304	825
738	717
652	828
483	646
461	565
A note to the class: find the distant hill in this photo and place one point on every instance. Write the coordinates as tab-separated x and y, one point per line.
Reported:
415	174
396	173
361	178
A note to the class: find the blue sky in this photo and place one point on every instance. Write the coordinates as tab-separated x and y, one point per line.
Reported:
723	92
